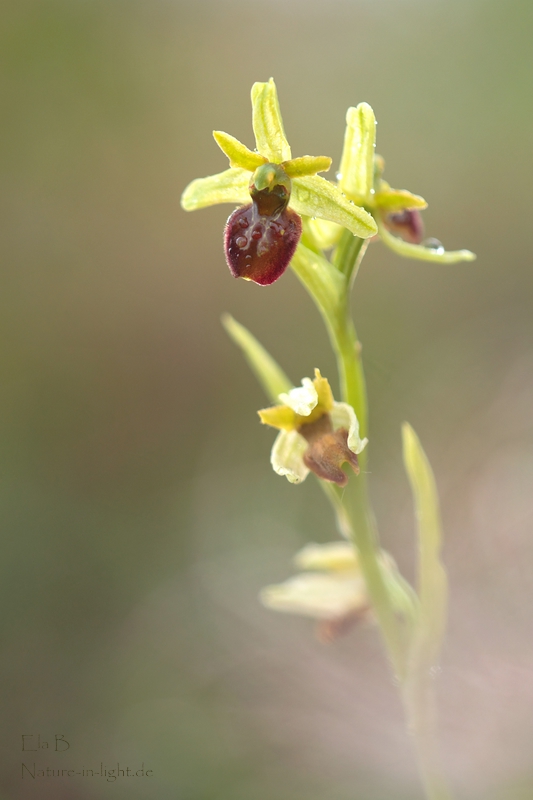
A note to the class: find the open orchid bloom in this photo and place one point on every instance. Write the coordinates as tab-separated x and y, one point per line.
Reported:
273	190
396	211
317	434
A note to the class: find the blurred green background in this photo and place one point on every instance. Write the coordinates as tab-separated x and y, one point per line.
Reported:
139	513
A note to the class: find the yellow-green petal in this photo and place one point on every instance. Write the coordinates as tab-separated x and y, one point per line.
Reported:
335	556
306	165
357	162
230	186
283	418
418	251
316	197
270	137
237	152
391	200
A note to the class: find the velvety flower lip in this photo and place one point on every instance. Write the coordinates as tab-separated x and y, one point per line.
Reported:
310	194
316	434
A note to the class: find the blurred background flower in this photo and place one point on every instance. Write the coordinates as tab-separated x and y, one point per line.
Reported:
137	527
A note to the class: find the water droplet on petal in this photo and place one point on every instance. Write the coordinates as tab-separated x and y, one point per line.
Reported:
434	244
241	242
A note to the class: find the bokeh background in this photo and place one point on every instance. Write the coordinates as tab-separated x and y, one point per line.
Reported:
139	513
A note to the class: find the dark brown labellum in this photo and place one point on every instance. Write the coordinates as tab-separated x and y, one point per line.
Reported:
328	450
407	224
259	246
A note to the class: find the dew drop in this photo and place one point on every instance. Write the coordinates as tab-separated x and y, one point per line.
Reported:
243	222
339	176
241	242
257	234
434	244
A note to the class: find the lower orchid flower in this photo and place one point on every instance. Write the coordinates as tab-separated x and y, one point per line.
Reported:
316	435
331	588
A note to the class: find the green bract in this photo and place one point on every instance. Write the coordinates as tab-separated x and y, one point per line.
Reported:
311	196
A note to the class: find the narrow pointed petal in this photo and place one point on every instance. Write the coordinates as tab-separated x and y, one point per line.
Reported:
306	165
343	416
357	162
317	595
270	137
287	456
268	372
329	556
418	251
390	200
230	186
316	197
281	417
237	152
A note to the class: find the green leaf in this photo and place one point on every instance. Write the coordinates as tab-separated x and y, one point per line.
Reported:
230	186
237	152
306	165
357	162
432	581
270	137
316	197
269	374
418	251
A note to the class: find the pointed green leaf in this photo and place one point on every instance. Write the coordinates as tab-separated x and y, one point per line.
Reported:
270	137
432	581
237	152
230	186
418	251
357	162
267	371
316	197
306	165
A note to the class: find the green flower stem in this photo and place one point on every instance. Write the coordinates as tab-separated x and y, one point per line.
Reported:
350	364
356	503
416	689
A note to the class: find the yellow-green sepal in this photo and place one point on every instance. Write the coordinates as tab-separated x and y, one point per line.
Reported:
270	137
239	155
418	251
316	197
268	372
357	162
306	165
230	186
